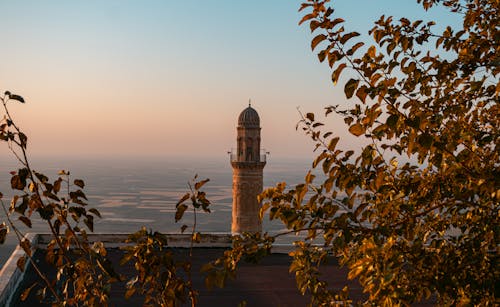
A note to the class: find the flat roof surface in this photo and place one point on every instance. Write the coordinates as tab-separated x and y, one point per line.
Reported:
265	284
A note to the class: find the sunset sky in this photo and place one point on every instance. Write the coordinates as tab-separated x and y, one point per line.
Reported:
169	78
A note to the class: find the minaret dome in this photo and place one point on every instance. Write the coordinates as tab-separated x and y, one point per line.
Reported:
249	118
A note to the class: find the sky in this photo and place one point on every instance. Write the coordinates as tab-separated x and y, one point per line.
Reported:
169	78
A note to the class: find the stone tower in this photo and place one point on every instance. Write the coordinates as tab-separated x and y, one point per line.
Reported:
248	165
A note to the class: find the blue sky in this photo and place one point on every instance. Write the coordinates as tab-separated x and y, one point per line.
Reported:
169	78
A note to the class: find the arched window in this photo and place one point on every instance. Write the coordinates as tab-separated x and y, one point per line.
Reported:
249	154
240	147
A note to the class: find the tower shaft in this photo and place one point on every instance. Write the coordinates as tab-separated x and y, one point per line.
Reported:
247	184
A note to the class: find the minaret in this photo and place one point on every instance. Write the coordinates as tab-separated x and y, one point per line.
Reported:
248	165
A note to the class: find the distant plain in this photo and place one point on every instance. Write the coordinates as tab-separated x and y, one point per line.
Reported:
131	193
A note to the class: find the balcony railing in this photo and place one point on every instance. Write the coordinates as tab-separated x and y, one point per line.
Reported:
233	157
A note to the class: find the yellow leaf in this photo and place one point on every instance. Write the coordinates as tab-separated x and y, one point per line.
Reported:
350	87
336	73
354	48
361	93
21	263
348	36
199	184
79	183
333	143
371	51
316	40
26	292
357	129
307	17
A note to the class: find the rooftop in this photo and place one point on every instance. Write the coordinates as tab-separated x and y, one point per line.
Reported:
265	284
268	283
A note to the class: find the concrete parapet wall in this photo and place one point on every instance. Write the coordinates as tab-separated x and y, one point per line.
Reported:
174	239
11	275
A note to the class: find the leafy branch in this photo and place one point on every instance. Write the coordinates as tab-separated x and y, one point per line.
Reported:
78	265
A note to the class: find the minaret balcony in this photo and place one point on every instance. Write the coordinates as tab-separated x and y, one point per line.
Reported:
234	157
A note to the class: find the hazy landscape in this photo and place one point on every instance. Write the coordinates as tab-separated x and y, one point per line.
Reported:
131	193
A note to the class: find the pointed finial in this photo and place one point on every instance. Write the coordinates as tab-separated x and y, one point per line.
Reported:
249	102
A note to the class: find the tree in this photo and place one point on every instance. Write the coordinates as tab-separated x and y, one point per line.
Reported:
408	231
